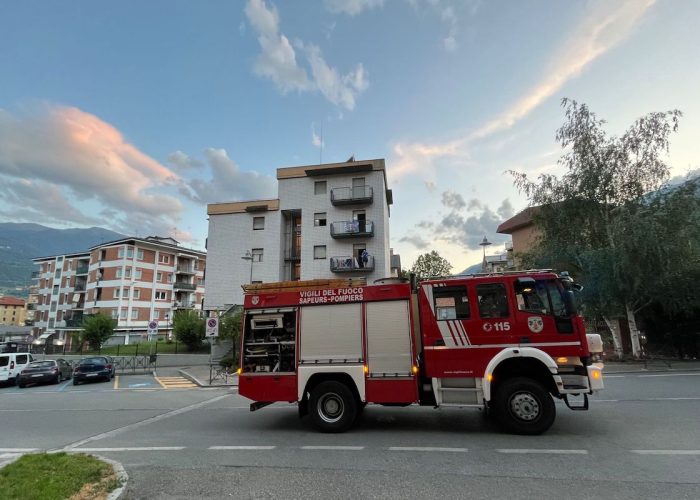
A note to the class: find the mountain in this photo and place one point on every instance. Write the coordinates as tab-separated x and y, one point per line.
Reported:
20	243
476	268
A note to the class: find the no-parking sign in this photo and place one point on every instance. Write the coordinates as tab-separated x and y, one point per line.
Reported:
152	327
212	327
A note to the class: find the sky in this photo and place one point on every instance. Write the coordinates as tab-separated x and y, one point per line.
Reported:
134	115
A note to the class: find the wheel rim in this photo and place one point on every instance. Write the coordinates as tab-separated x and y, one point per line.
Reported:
330	407
525	406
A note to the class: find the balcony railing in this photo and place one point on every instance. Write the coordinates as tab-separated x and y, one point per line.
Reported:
293	254
352	195
36	275
186	270
81	269
180	285
351	264
352	228
76	322
183	305
79	287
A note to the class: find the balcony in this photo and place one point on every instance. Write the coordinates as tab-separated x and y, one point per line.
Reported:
74	322
181	285
356	195
292	254
351	264
352	229
36	275
183	305
82	269
186	270
79	287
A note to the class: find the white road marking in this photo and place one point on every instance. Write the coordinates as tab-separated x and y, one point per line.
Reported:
133	448
613	376
18	450
671	375
640	400
542	451
666	452
142	423
428	448
348	448
242	447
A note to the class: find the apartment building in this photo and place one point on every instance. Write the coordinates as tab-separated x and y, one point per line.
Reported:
12	311
133	280
328	221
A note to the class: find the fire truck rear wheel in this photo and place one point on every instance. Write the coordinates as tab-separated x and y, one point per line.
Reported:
523	406
332	406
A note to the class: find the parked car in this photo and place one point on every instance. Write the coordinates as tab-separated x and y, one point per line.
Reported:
92	368
109	361
50	370
12	364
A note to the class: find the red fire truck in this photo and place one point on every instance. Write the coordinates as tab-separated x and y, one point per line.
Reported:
506	343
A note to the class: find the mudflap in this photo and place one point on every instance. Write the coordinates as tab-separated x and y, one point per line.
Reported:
582	407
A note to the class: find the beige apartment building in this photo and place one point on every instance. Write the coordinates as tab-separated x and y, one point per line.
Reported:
135	281
12	311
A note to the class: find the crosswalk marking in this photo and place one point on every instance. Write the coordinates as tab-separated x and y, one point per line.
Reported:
175	382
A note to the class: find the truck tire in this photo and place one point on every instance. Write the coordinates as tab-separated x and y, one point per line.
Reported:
523	406
332	407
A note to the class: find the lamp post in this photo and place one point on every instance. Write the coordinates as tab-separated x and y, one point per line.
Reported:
249	256
167	326
484	243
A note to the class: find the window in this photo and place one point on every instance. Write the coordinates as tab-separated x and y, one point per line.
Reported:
531	296
134	313
159	276
122	314
451	302
164	259
258	223
257	254
156	314
319	251
125	293
320	219
320	187
21	359
129	253
117	293
161	295
171	277
139	254
137	274
115	313
137	294
493	302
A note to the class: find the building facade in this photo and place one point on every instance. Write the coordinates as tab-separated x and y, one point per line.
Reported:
132	280
329	221
12	311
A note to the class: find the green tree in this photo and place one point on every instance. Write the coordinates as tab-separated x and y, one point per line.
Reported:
609	220
97	329
230	329
189	328
431	265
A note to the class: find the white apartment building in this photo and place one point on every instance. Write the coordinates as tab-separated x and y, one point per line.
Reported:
329	221
133	280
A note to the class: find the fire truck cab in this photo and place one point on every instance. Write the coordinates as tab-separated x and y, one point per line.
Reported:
505	343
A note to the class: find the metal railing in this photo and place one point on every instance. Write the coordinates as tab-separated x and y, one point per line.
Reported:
184	286
36	275
350	264
81	269
350	195
352	228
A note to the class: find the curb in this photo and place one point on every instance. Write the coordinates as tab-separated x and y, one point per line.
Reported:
121	474
650	370
195	380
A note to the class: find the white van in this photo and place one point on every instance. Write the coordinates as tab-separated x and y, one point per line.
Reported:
11	364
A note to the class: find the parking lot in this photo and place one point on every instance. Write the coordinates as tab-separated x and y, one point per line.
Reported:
126	382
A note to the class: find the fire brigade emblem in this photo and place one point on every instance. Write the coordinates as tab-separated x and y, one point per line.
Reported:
535	324
255	300
487	327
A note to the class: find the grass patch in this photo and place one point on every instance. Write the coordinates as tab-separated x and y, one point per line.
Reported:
43	476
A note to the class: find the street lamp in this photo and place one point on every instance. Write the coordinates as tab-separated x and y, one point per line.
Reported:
167	326
484	243
249	256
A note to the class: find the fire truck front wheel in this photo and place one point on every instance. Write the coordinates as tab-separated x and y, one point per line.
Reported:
332	406
523	406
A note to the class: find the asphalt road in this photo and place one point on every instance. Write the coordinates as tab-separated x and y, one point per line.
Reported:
640	439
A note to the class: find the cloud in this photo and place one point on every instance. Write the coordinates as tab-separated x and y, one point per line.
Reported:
608	24
278	62
450	18
416	241
87	160
351	7
226	181
316	140
453	200
430	186
183	163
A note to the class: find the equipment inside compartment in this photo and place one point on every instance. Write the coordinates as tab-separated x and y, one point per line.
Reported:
269	342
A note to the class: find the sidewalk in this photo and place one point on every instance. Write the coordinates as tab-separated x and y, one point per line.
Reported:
200	376
654	365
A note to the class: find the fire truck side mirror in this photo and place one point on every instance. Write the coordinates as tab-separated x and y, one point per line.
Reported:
570	302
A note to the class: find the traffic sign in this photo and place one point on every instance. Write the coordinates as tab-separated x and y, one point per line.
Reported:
213	327
152	328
